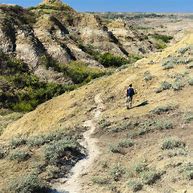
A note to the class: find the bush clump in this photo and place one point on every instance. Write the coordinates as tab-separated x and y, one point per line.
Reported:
126	143
164	86
188	117
178	85
117	148
163	125
190	81
187	170
18	141
148	76
150	177
100	180
168	65
140	167
172	143
109	60
164	38
29	183
139	132
20	156
117	172
37	141
135	185
162	109
56	150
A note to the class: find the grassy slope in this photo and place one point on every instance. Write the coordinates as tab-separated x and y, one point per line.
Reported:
74	102
72	109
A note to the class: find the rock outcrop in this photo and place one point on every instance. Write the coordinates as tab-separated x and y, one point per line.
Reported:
54	30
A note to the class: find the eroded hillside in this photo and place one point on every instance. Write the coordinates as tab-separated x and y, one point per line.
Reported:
146	149
53	32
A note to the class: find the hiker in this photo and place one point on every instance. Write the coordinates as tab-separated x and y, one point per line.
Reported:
130	93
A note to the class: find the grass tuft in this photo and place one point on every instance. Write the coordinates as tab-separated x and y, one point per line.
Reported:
172	143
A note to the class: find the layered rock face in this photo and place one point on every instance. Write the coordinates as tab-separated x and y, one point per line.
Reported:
54	30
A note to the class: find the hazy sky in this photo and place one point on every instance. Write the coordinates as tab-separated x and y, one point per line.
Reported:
120	5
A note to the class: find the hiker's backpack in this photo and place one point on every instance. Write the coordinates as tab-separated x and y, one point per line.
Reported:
130	92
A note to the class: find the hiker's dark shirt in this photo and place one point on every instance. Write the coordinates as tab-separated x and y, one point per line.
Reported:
130	92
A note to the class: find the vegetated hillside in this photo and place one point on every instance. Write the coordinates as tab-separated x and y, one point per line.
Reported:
49	49
53	32
146	149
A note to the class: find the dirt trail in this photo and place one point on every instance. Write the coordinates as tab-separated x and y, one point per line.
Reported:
73	183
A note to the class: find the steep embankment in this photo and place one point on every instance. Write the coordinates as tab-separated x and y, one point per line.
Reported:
132	142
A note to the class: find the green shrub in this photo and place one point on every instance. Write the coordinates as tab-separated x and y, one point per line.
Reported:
177	152
100	180
126	143
109	60
139	132
150	177
22	106
164	38
55	150
190	82
36	141
115	148
188	117
172	143
183	50
147	76
20	156
163	125
178	85
168	64
28	183
187	170
52	172
117	172
80	72
164	86
18	141
140	167
160	45
104	123
162	109
135	185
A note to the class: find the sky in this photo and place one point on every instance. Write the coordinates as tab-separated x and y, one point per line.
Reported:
119	5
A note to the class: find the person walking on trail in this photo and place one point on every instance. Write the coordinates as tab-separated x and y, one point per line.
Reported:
130	93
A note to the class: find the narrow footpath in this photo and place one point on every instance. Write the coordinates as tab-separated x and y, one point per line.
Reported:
73	183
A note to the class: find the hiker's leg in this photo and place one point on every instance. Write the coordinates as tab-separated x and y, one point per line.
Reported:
128	103
131	102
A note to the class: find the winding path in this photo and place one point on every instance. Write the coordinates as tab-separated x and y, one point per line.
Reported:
73	183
